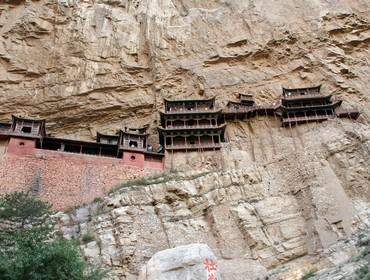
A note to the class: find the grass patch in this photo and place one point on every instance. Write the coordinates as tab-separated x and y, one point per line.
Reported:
98	200
363	273
158	179
308	274
87	238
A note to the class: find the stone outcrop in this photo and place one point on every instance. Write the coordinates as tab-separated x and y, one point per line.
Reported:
292	200
194	261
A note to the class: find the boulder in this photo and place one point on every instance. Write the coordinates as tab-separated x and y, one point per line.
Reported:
190	262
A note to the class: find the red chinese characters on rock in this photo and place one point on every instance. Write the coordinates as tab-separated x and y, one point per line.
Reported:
211	277
211	267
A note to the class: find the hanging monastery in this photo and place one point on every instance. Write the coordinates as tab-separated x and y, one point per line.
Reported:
33	160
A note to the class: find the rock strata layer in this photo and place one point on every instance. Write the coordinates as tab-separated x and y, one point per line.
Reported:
100	65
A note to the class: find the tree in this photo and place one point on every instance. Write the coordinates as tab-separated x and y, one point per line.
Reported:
29	250
21	208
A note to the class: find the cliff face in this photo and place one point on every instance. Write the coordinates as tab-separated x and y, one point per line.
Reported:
272	196
284	198
88	65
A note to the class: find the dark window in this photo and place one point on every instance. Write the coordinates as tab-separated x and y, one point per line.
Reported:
26	129
72	148
21	143
191	122
132	158
192	140
132	144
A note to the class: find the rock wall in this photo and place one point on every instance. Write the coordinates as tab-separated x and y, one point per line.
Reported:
98	65
268	205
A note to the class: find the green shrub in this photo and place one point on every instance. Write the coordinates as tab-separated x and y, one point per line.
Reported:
159	179
308	274
362	273
87	237
30	250
97	200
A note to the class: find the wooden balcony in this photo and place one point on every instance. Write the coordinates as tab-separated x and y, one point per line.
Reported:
182	127
350	113
192	111
133	149
308	95
305	119
303	107
250	111
199	146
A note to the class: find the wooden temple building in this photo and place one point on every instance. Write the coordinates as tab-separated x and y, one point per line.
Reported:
191	125
26	136
297	105
246	108
302	105
185	125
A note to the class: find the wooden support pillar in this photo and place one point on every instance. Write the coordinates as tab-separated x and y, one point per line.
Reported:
305	116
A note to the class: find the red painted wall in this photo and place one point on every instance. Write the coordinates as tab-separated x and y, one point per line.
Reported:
67	179
133	159
63	179
19	146
154	163
141	160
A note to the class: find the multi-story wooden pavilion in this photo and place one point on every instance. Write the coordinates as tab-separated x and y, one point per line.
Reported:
301	105
191	125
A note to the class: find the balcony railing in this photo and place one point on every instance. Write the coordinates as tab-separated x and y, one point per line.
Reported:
348	113
312	106
193	146
126	147
256	108
179	127
304	96
307	118
193	110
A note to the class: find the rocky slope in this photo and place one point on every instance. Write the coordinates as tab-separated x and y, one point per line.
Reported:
272	196
269	204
